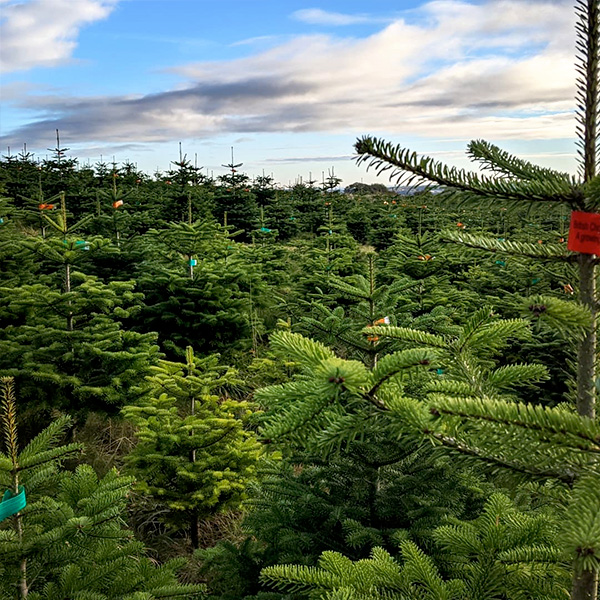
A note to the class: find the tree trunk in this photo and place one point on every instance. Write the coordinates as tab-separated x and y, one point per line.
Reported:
194	522
586	363
585	586
585	583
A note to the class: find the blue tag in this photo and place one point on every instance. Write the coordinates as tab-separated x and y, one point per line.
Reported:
11	503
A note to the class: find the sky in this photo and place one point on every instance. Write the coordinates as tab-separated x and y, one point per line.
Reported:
289	85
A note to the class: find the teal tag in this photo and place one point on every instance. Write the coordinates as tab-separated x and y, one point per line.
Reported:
265	229
11	504
439	371
501	263
534	281
193	262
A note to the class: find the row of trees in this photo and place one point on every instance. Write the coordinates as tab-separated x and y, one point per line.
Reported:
90	319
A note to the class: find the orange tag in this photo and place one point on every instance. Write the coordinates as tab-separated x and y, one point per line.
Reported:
584	233
382	321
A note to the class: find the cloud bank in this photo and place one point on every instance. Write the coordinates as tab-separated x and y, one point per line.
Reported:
500	70
43	33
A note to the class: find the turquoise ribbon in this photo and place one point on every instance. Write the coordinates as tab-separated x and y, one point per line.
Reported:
11	503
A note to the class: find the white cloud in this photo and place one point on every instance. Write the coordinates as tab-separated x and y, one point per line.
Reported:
316	16
43	33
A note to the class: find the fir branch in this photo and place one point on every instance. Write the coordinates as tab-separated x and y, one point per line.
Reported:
409	335
9	419
549	252
499	161
407	167
497	461
525	416
391	365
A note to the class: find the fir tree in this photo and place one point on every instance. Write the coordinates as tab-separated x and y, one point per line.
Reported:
65	347
515	181
193	453
67	541
502	555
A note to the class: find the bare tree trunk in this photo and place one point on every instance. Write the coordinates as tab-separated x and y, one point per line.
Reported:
586	363
585	586
194	522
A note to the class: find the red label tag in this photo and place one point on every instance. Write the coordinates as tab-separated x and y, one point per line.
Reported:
584	233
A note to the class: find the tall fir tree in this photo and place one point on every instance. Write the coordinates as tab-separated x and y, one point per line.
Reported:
515	181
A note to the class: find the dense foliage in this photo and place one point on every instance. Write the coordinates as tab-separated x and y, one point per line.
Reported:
232	390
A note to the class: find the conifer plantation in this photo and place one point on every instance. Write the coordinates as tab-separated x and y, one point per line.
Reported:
226	389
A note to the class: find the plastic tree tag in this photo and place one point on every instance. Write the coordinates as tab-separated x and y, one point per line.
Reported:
1	220
265	229
11	503
193	262
584	233
382	321
117	203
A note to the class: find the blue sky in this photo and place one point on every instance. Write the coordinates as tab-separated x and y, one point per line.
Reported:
290	85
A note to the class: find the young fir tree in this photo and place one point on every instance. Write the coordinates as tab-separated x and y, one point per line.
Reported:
186	193
64	331
336	407
193	452
67	539
235	203
489	559
352	303
196	289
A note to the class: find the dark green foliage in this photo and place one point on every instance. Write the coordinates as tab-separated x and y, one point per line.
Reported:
69	540
235	203
210	310
68	350
502	555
